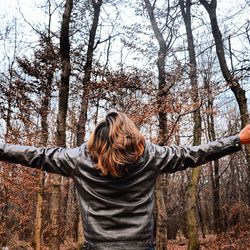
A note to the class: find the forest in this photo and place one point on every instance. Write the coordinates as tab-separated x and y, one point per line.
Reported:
180	69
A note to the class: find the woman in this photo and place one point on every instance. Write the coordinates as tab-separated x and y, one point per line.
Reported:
115	174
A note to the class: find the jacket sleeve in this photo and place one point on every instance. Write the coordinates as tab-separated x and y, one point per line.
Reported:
176	158
54	160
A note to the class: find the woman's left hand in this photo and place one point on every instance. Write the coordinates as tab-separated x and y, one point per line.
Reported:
245	135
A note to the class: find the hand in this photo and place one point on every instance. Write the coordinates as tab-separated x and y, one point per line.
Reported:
245	135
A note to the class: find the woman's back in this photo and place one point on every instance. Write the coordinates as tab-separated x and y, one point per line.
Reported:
117	208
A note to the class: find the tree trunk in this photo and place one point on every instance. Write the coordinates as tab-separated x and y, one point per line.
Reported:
201	219
232	81
81	130
39	205
5	209
44	111
64	204
5	217
87	73
162	53
61	122
161	220
80	235
192	224
161	216
214	172
44	115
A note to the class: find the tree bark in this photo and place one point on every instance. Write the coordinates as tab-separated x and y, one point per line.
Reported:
162	53
192	222
161	213
44	111
5	217
39	205
232	81
61	122
161	220
81	130
80	235
215	171
81	126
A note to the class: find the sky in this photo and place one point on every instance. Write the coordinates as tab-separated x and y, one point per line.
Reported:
29	8
34	15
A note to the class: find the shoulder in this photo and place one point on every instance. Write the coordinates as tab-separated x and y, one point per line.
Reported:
151	150
154	149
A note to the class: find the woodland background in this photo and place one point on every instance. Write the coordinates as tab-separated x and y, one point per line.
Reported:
178	68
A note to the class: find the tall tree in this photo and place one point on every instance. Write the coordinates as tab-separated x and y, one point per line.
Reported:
164	46
215	177
48	56
81	125
46	90
61	120
81	130
164	87
192	224
42	68
8	105
229	77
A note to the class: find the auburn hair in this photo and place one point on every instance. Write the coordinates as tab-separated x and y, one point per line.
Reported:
115	143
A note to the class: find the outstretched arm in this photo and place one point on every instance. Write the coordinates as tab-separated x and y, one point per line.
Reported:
55	160
175	158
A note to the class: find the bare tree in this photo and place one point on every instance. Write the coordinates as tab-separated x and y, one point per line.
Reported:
87	72
232	81
164	87
81	130
46	90
61	121
8	103
192	224
210	114
164	46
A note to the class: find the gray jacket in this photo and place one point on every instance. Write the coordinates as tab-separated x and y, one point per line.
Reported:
118	209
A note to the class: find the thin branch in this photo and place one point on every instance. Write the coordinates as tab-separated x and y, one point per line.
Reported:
25	20
177	120
105	40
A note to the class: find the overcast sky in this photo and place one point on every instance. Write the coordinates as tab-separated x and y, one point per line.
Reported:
35	15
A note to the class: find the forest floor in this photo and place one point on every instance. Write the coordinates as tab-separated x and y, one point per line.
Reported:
236	239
